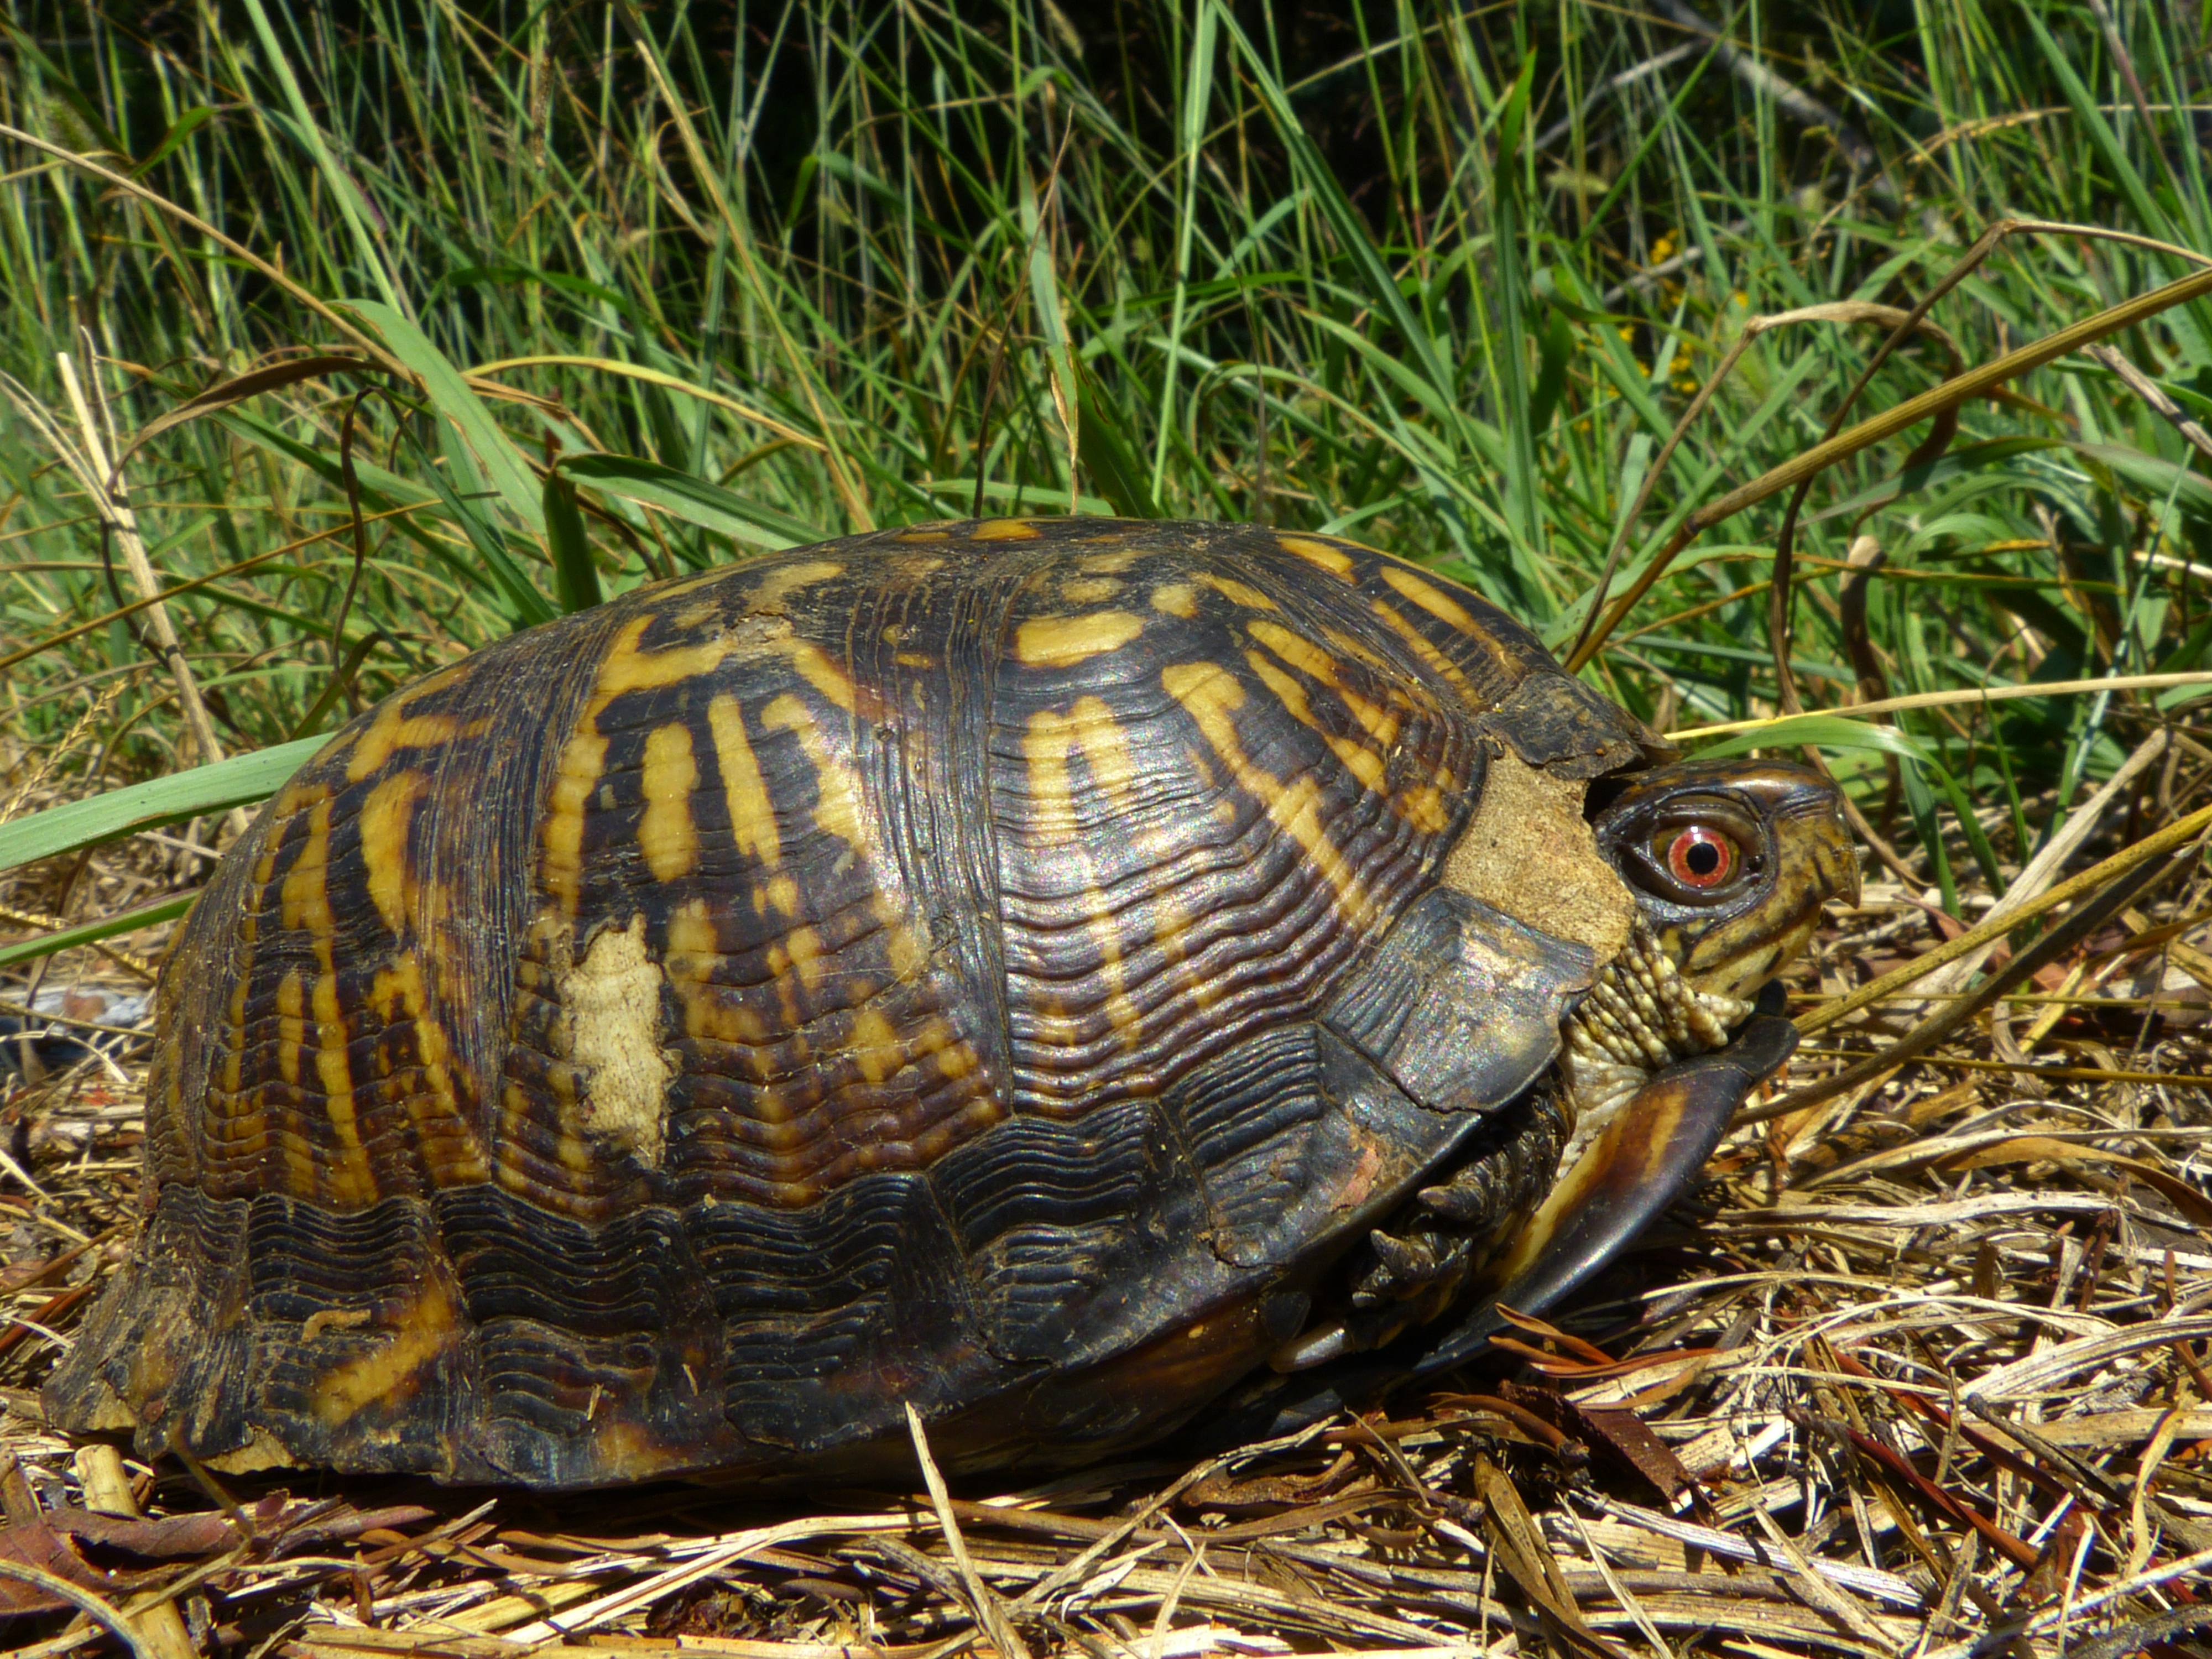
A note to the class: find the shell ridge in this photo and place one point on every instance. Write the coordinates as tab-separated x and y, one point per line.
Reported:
938	703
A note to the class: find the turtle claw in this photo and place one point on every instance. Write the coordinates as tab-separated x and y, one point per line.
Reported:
1333	1341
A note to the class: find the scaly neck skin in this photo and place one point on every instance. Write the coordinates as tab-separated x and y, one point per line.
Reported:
1642	1016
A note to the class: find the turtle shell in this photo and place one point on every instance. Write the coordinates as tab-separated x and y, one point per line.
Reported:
993	966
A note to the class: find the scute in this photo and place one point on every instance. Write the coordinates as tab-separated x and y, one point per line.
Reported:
949	965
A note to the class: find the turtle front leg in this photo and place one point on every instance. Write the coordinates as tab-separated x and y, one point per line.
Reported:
1429	1253
1413	1269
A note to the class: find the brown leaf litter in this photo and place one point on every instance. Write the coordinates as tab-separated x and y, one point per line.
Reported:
1922	1369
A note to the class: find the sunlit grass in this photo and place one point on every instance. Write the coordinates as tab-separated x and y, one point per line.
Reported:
626	305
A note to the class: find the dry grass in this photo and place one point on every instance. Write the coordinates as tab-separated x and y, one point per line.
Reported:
1922	1367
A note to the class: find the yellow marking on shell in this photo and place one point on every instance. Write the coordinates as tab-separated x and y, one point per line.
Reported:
1105	931
922	536
818	671
352	1183
837	811
1423	647
954	1056
752	814
1051	798
1353	649
665	834
1380	723
777	584
782	895
1105	748
913	659
1175	599
294	798
1296	650
1171	921
517	1110
234	1060
1431	598
838	806
874	1045
1003	530
422	1333
438	1110
300	1176
1302	654
1425	808
394	728
1089	590
695	950
333	1319
1108	564
1238	592
306	904
675	589
1054	1026
291	1023
1212	698
1063	642
902	945
384	819
561	861
803	948
625	668
1362	762
696	616
771	1109
1089	728
1333	559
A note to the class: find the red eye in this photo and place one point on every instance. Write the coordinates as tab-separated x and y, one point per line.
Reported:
1701	858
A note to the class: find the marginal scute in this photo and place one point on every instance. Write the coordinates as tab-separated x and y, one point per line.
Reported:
422	1332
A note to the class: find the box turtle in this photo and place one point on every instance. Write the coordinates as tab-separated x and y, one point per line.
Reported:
1062	974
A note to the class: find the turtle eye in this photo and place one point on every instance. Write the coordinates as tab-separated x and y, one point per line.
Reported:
1701	858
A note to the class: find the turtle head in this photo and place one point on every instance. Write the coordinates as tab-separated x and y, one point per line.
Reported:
1731	861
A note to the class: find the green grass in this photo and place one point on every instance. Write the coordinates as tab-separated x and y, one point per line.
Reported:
596	306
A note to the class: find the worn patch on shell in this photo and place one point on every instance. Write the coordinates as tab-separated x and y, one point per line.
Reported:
1529	852
610	1017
